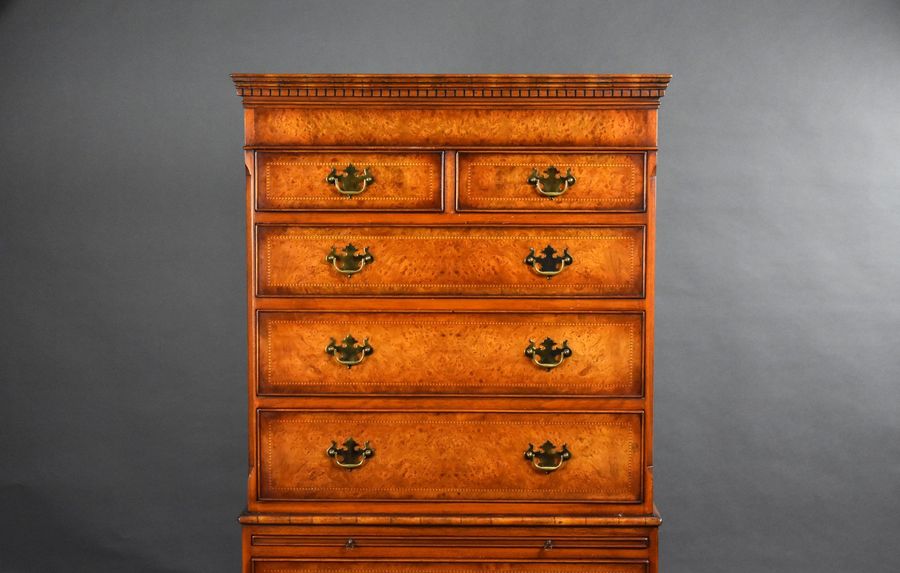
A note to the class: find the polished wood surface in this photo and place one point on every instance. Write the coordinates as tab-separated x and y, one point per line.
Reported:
288	566
620	541
451	261
407	181
445	394
435	128
451	353
450	456
499	181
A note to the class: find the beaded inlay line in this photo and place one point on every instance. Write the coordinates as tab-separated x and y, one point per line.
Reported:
629	443
631	180
269	354
327	195
361	283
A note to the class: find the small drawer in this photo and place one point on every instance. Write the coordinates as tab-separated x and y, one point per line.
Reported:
422	456
599	262
513	181
352	181
441	353
284	565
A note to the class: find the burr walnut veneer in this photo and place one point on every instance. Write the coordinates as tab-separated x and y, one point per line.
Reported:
450	287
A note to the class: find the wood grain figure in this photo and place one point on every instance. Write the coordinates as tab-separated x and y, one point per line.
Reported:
450	323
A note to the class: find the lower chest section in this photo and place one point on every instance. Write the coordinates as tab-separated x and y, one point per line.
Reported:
432	547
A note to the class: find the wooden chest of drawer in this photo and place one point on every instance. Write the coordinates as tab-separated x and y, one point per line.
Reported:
450	286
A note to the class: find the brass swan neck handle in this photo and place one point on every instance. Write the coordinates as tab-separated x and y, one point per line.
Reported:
349	353
547	458
350	260
350	181
551	184
547	354
549	263
351	456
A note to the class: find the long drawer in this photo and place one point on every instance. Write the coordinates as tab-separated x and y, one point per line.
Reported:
441	543
433	539
285	565
450	456
588	353
296	260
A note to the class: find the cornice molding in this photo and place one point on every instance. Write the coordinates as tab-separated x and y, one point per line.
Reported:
508	88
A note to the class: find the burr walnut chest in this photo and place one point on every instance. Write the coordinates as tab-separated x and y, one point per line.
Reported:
450	291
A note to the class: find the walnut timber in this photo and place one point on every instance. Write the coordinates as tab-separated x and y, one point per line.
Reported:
450	323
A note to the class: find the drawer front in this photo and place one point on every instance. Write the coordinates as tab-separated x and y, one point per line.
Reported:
454	456
551	181
282	565
425	543
451	353
324	181
451	261
452	127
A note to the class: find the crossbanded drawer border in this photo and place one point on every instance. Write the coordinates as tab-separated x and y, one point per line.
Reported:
637	262
430	199
464	183
636	346
636	478
328	193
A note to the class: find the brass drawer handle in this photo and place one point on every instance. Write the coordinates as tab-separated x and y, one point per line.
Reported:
551	184
351	261
351	456
549	264
547	459
350	353
350	182
547	354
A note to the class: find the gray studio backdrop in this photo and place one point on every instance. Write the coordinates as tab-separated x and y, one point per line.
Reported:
123	322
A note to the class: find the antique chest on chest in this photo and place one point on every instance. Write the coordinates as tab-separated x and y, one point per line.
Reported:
450	289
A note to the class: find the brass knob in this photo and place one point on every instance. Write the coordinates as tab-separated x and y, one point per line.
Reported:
551	184
351	456
350	182
548	263
547	459
547	354
351	261
349	353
